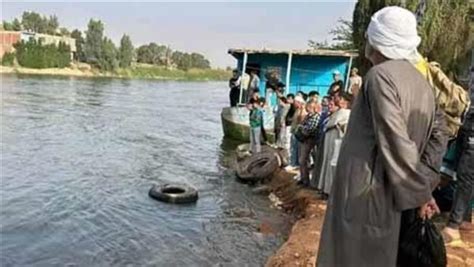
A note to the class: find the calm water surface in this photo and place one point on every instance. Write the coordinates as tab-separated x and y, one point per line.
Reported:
78	159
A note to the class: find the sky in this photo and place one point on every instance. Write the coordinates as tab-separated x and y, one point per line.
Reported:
210	28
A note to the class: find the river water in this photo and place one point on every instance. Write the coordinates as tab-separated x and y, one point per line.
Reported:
78	159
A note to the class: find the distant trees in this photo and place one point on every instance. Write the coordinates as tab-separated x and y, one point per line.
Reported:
94	42
33	54
125	52
77	35
185	61
341	38
6	26
33	22
95	48
99	51
342	35
181	60
64	32
108	58
52	25
153	53
198	61
15	25
162	55
8	59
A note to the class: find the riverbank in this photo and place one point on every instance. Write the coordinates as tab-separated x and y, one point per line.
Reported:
302	244
137	72
303	240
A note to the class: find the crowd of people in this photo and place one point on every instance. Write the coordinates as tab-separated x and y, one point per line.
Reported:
310	128
374	151
315	127
243	87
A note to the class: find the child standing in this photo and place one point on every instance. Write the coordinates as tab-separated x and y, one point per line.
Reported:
256	122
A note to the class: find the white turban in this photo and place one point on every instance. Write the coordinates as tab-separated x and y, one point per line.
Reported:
392	32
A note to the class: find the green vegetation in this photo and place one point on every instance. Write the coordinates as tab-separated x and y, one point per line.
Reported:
15	25
77	35
143	71
94	42
162	55
33	54
153	53
108	58
445	33
99	51
32	21
64	32
444	28
8	59
185	61
125	52
341	37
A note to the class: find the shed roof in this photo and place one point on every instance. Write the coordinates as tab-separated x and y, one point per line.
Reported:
309	52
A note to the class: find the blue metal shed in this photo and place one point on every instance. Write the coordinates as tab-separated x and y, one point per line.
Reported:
300	70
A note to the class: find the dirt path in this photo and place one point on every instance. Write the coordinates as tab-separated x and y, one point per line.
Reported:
302	244
303	241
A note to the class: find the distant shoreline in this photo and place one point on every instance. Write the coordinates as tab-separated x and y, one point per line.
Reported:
139	73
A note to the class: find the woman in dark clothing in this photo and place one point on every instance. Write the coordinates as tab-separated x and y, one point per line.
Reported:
234	85
291	112
289	119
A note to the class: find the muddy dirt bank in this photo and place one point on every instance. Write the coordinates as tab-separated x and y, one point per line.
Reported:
302	244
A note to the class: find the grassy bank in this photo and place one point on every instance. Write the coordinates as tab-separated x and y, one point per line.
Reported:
136	72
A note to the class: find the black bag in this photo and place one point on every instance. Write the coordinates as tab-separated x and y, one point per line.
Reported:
421	244
300	136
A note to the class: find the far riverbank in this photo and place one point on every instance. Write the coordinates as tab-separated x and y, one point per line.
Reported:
138	72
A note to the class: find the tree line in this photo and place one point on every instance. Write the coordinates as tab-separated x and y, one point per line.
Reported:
94	48
446	29
34	54
34	22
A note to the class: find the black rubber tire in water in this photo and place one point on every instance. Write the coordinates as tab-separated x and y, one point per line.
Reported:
258	167
178	194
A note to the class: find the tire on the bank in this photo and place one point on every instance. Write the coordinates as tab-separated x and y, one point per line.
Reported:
258	167
174	193
283	155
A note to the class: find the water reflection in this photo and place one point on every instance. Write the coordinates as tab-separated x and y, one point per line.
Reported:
93	93
227	151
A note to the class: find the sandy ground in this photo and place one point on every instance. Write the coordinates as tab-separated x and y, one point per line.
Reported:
84	70
52	71
303	241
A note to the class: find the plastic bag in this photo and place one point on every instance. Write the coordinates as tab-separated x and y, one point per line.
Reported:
421	245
